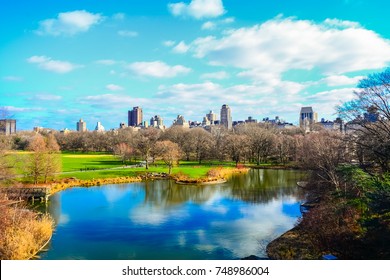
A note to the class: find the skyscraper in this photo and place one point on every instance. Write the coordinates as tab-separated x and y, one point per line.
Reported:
157	121
81	126
212	117
99	127
226	116
7	126
307	117
135	117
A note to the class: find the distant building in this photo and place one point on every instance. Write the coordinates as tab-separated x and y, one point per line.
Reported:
226	116
135	117
99	127
81	126
7	126
206	122
65	131
157	122
250	120
212	117
307	118
122	125
180	121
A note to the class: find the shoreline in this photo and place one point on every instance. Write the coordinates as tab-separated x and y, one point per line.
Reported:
292	245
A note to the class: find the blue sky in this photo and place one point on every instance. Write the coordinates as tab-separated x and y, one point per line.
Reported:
97	59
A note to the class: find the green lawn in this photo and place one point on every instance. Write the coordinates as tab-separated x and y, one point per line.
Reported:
77	161
85	166
190	171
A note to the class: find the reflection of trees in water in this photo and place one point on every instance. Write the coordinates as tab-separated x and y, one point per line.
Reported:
53	206
256	186
264	185
168	193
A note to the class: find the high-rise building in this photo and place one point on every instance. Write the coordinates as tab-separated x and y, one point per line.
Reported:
99	127
212	117
307	117
81	126
180	121
135	117
7	126
226	116
157	121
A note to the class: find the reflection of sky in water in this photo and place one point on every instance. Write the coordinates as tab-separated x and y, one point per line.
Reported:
167	221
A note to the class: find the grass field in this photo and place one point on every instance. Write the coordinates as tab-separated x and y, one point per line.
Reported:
99	165
76	161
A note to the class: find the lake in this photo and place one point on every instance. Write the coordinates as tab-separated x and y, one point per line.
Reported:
162	220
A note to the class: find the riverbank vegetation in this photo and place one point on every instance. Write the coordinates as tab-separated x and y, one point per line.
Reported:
349	189
22	232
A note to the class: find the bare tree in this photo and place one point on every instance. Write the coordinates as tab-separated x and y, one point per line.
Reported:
44	161
170	153
202	143
368	116
36	163
145	141
123	151
323	152
237	147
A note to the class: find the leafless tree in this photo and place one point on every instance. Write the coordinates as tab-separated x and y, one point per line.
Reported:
145	141
323	152
236	147
368	116
44	161
169	152
123	151
202	143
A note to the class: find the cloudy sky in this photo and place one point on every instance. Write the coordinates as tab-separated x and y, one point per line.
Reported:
66	60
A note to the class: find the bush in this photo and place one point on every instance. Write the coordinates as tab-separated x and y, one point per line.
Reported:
23	233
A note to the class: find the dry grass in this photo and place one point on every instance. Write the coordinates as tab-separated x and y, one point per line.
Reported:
23	233
213	175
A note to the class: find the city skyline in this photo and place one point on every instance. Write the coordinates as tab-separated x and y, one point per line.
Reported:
95	61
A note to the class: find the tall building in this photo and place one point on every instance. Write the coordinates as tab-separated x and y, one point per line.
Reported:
307	117
226	116
212	117
7	126
180	121
157	121
99	127
135	117
81	126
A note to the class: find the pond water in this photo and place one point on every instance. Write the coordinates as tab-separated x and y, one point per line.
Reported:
163	220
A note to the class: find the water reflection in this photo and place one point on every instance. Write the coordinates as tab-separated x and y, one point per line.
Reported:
163	220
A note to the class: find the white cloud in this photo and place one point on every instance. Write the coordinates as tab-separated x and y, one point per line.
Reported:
341	80
341	23
127	33
69	23
221	75
113	87
51	65
181	47
198	9
208	25
169	43
212	25
283	44
157	69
